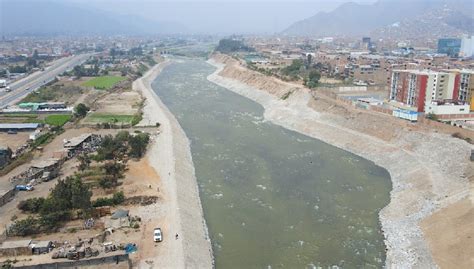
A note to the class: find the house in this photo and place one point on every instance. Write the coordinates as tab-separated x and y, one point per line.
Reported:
49	168
41	247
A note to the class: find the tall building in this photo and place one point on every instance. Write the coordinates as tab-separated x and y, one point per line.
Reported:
467	47
418	89
466	85
449	46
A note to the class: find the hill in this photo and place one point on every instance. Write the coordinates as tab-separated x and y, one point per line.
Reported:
387	17
29	17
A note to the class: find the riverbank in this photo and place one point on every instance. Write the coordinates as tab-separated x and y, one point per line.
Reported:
171	158
428	169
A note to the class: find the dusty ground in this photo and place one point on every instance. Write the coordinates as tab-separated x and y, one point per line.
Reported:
124	103
450	235
14	141
428	167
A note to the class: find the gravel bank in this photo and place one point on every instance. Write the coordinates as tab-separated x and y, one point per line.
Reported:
171	158
427	169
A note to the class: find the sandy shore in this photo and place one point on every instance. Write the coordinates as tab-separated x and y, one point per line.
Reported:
426	176
171	157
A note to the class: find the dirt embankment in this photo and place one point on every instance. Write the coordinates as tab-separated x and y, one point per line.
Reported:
429	168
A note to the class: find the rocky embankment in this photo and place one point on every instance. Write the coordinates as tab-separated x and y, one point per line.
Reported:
171	158
428	169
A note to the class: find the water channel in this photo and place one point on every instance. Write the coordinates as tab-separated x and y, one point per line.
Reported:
273	198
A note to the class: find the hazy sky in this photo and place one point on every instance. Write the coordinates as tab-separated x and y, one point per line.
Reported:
220	16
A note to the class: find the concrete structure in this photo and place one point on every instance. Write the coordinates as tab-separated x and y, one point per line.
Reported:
40	247
418	89
447	108
449	46
15	248
465	86
467	47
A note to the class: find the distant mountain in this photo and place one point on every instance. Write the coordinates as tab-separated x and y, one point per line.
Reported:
389	16
29	17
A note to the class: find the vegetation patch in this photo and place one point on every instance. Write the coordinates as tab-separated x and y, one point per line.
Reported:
56	92
116	199
68	195
104	82
109	118
232	45
57	120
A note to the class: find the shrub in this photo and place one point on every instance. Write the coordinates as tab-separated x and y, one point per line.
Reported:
24	227
116	199
32	205
81	110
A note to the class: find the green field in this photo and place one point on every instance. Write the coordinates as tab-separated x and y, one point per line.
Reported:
103	83
57	120
109	118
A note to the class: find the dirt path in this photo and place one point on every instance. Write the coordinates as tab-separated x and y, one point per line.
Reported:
170	156
427	169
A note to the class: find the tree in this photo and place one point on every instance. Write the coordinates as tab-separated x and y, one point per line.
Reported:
309	60
313	78
114	171
84	161
138	144
81	110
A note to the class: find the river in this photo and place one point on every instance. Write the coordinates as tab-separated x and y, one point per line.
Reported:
273	198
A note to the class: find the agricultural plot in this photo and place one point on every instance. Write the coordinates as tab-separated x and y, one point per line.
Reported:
57	120
108	118
54	120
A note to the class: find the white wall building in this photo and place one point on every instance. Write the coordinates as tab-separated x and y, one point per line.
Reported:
447	108
467	47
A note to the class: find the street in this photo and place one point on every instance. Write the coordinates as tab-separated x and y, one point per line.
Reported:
24	86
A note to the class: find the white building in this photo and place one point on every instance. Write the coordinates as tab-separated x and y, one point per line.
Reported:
467	47
447	108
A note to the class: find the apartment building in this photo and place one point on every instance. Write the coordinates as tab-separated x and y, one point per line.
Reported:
419	89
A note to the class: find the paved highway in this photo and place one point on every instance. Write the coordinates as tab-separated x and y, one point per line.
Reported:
22	87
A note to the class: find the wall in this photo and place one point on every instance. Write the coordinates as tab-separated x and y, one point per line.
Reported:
116	261
5	198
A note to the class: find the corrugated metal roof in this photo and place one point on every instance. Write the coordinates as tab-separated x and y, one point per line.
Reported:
19	125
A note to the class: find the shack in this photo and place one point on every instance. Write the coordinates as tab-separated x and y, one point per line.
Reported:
85	143
15	248
41	247
49	169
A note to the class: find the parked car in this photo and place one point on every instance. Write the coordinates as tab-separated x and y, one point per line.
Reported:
8	89
157	235
24	188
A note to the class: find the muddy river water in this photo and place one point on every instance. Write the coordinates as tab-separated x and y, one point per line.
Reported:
273	198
